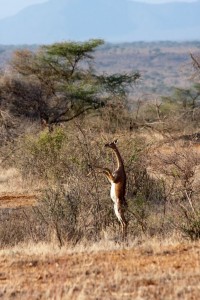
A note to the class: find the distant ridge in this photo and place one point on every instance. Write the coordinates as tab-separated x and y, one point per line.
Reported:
112	20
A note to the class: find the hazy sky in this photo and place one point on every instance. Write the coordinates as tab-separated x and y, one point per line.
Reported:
11	7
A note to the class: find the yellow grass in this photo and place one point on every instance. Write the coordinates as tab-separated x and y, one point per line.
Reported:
152	269
10	180
14	191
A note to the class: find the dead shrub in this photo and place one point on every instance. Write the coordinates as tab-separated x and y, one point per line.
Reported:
146	195
17	225
180	170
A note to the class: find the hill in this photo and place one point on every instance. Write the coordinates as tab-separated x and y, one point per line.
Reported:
112	20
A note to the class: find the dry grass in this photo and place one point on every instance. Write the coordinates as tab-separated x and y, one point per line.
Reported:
150	270
14	192
10	180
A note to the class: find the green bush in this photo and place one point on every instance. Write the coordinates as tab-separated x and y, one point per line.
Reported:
42	156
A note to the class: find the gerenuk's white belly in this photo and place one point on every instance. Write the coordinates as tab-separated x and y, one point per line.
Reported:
116	202
112	192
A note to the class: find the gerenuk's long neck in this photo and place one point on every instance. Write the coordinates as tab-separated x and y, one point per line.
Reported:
120	163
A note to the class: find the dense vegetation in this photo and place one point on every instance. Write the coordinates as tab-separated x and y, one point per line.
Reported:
57	112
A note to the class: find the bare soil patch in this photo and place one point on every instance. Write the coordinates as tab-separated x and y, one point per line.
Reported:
14	201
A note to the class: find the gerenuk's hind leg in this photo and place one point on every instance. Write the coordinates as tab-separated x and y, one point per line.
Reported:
119	212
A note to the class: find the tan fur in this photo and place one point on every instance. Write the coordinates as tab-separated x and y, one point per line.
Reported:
118	187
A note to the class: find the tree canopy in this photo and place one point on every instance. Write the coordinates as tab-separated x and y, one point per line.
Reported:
58	82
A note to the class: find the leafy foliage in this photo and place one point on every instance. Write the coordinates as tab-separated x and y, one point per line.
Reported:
41	156
64	81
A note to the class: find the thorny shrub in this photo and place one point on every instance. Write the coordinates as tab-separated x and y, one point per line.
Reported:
180	169
75	204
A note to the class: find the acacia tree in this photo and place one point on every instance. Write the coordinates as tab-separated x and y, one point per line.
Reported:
59	83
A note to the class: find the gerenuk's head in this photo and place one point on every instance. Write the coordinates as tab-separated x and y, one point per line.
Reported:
112	145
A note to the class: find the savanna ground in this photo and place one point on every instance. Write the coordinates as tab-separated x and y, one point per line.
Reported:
148	266
59	237
153	270
145	268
